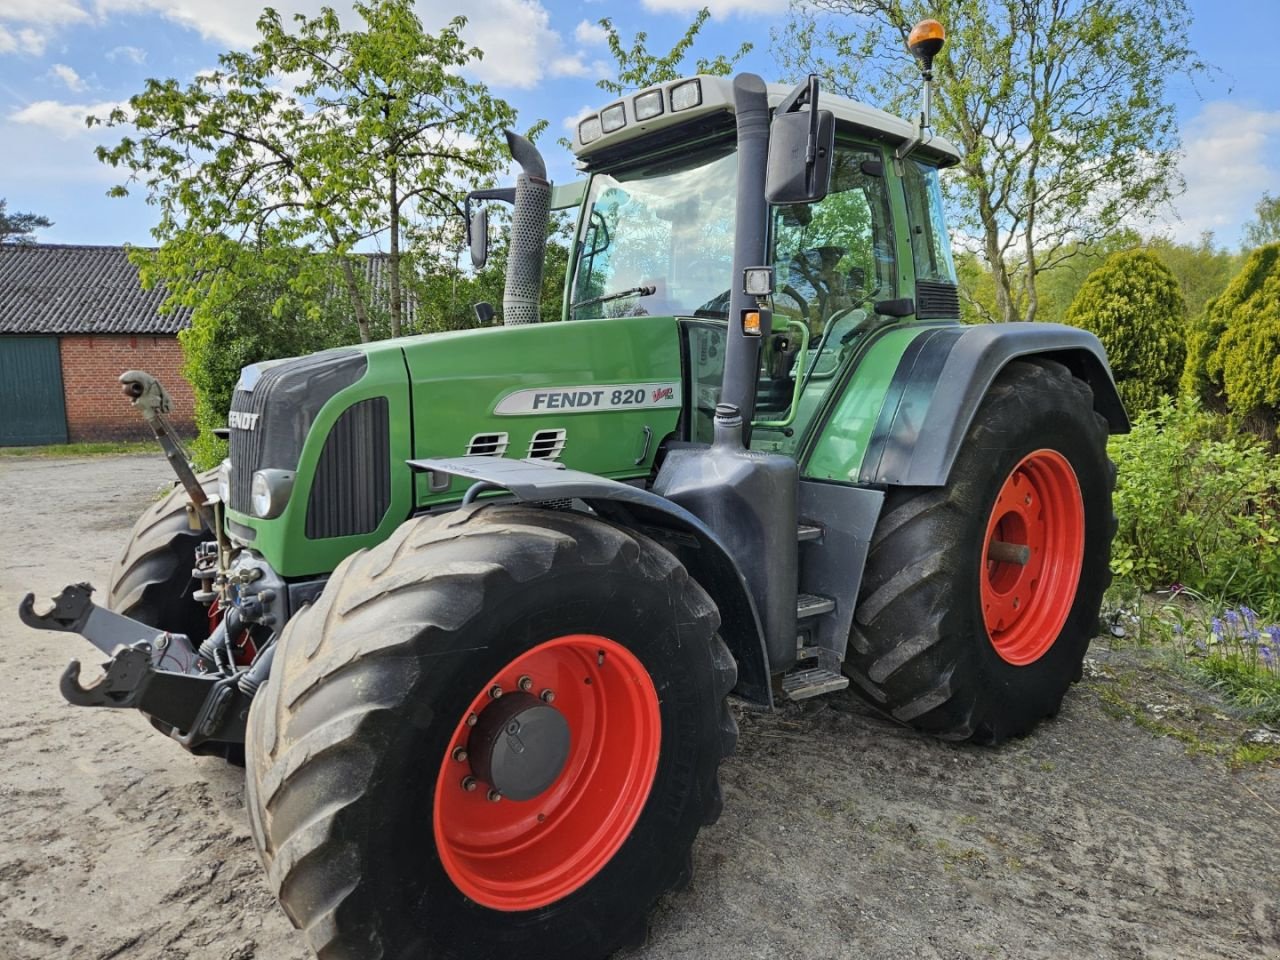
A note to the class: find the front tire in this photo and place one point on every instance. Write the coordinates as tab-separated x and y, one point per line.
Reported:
967	646
151	582
370	791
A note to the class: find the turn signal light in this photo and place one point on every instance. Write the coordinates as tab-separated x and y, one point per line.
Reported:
751	323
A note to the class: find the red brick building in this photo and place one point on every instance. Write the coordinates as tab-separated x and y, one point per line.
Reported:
72	319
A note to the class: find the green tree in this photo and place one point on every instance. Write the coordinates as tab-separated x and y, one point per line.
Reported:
1133	304
638	67
319	136
1203	269
1266	228
269	302
20	227
1233	350
1060	108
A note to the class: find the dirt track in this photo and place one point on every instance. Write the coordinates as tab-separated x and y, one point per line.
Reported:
842	836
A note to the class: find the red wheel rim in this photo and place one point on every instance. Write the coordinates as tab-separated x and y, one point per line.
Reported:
1024	605
520	855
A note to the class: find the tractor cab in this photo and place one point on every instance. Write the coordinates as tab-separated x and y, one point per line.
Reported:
657	230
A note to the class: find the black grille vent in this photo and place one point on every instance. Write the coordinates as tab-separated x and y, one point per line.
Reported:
352	487
937	301
487	445
547	445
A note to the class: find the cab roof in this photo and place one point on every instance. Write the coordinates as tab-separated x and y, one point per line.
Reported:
714	96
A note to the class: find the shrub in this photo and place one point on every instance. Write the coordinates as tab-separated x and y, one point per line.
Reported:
263	311
1196	505
1233	349
1134	305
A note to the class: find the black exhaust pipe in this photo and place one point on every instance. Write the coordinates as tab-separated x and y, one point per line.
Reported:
527	252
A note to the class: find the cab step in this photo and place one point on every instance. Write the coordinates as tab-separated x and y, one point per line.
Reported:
803	684
811	605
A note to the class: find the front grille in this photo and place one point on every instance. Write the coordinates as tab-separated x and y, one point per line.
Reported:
937	301
352	487
275	407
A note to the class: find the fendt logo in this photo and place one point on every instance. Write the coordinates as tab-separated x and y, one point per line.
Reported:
242	421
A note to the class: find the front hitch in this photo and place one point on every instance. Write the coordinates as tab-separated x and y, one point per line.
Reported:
193	708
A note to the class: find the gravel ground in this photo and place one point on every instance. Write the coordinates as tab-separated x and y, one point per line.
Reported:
842	836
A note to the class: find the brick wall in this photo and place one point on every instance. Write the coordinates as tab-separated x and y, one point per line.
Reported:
96	409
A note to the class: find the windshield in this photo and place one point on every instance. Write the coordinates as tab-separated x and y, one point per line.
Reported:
658	239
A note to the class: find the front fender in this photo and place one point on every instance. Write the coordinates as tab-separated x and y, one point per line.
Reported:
678	530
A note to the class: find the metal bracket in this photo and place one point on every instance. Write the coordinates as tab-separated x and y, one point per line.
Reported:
73	611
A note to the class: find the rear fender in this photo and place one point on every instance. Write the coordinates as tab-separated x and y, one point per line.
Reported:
943	376
676	529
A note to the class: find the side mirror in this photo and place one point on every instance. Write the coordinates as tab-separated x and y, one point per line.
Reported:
478	237
801	148
796	175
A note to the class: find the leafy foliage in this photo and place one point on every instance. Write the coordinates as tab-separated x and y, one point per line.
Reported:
638	67
1233	349
20	227
1060	108
1197	505
267	304
319	137
1266	228
1133	303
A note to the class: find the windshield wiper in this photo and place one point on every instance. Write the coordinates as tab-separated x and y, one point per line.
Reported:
646	290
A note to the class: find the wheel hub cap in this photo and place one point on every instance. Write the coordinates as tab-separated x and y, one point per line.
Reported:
519	746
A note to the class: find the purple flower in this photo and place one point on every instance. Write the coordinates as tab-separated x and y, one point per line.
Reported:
1176	588
1216	626
1177	629
1232	618
1249	616
1266	653
1274	633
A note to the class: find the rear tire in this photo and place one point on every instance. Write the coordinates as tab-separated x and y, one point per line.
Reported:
357	801
930	645
151	582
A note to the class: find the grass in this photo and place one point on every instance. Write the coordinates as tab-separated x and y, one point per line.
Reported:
103	448
1231	650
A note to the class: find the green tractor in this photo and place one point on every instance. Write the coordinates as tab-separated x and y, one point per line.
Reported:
470	606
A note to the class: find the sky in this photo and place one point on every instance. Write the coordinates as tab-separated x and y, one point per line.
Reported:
63	59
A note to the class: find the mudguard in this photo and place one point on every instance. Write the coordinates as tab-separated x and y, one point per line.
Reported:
678	530
943	376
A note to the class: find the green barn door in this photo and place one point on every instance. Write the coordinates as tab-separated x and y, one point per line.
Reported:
31	406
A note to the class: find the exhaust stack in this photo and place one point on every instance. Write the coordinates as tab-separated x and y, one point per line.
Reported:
528	247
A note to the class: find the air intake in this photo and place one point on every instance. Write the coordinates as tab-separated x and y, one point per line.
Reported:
546	445
487	445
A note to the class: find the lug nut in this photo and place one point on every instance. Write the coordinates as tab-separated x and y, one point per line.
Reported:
526	683
495	691
459	754
494	796
599	658
547	696
469	784
472	720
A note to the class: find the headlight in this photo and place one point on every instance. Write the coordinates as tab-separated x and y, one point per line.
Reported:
269	492
224	482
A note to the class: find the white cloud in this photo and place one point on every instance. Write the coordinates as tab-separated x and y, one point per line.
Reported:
720	9
588	33
66	120
26	40
68	76
1227	164
569	66
133	54
43	11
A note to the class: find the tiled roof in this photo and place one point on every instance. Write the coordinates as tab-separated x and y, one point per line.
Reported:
58	288
63	288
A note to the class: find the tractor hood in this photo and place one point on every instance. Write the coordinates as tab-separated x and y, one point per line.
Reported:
331	433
